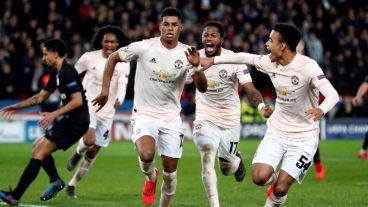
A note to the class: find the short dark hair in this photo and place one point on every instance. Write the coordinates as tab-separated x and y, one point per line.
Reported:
288	34
97	38
56	45
171	11
218	25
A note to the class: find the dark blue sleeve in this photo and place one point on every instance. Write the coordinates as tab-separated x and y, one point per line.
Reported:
51	83
72	81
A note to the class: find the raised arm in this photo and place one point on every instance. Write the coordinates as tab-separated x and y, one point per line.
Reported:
101	99
199	78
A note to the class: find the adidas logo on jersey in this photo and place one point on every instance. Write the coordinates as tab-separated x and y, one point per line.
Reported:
153	60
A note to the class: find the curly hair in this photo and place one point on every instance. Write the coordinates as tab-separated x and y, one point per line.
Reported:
97	38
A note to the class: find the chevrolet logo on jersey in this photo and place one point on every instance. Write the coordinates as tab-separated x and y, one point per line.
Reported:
212	84
283	91
162	74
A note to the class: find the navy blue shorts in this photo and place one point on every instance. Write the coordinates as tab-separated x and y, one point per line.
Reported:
67	131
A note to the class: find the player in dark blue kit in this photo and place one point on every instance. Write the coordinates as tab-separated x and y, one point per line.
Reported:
63	127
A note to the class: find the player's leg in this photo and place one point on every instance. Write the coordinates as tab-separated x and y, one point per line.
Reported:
42	149
144	136
320	175
102	140
170	147
82	170
85	143
278	195
207	142
230	161
296	162
363	153
268	155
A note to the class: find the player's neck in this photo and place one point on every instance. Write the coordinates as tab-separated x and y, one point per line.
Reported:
287	57
169	44
59	63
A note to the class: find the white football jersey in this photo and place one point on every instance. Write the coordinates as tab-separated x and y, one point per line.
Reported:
93	63
220	104
296	86
159	79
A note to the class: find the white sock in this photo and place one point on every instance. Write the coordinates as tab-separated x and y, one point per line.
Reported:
273	201
272	179
148	169
209	177
229	168
168	188
83	168
82	147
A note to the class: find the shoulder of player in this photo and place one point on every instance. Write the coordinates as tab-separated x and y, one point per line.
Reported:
226	52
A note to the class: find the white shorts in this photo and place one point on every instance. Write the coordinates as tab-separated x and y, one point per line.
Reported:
168	136
102	128
296	156
225	139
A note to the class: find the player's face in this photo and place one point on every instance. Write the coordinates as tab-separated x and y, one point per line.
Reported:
275	47
212	41
170	29
109	43
49	57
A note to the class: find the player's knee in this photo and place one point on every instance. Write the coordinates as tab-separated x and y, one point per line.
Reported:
147	156
259	178
280	190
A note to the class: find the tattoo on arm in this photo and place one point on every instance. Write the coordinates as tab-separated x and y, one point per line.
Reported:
254	95
33	100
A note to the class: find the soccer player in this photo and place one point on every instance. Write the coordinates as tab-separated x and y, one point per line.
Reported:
63	127
357	101
293	127
320	169
159	82
217	123
106	41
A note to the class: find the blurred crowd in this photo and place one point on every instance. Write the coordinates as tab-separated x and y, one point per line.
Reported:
335	34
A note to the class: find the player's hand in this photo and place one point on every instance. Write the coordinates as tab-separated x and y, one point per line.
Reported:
357	101
266	111
314	113
117	104
100	101
207	62
48	117
8	111
192	56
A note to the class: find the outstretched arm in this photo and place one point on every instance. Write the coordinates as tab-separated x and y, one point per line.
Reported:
8	111
101	99
256	99
236	58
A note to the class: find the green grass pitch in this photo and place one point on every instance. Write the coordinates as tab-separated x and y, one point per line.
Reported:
115	179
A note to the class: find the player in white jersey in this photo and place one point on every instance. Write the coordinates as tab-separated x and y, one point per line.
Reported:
293	127
106	41
217	123
159	82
